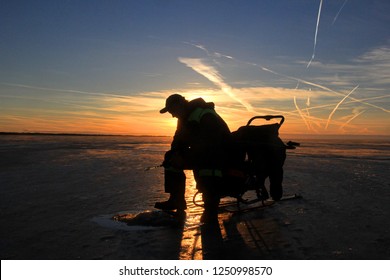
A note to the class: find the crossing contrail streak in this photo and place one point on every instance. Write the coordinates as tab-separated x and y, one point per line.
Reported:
315	35
337	106
299	80
347	102
318	86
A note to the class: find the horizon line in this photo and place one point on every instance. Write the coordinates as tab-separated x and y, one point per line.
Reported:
150	135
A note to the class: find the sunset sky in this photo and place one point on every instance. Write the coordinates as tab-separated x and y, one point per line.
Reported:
95	66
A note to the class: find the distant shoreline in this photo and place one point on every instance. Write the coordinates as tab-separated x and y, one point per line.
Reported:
77	134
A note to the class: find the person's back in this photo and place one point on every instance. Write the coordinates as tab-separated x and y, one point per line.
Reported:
207	135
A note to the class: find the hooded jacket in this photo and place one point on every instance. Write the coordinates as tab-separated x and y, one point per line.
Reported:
202	136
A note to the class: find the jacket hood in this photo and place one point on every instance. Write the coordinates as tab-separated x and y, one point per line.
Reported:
200	103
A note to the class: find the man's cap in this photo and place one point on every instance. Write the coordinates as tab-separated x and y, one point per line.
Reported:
171	101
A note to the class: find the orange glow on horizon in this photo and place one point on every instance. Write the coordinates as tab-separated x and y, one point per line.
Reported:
139	115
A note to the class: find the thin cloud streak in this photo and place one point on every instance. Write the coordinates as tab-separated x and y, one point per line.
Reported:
213	75
338	13
301	114
337	106
351	119
66	90
315	35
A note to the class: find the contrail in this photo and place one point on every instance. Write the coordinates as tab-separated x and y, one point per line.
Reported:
351	119
337	15
337	106
198	46
212	75
301	114
203	48
307	108
315	35
348	102
67	90
308	101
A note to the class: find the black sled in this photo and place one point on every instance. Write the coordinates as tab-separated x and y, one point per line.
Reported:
257	153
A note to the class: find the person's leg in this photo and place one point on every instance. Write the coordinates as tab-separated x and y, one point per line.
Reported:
210	186
174	184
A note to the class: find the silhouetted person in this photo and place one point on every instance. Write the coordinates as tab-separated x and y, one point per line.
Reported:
200	143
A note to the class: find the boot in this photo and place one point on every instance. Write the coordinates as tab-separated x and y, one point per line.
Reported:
263	193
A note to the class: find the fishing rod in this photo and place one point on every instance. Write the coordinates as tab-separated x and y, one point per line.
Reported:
153	167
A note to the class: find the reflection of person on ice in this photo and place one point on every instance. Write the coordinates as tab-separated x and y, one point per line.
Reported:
200	143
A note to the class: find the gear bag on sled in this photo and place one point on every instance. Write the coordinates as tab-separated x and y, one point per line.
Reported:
257	153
